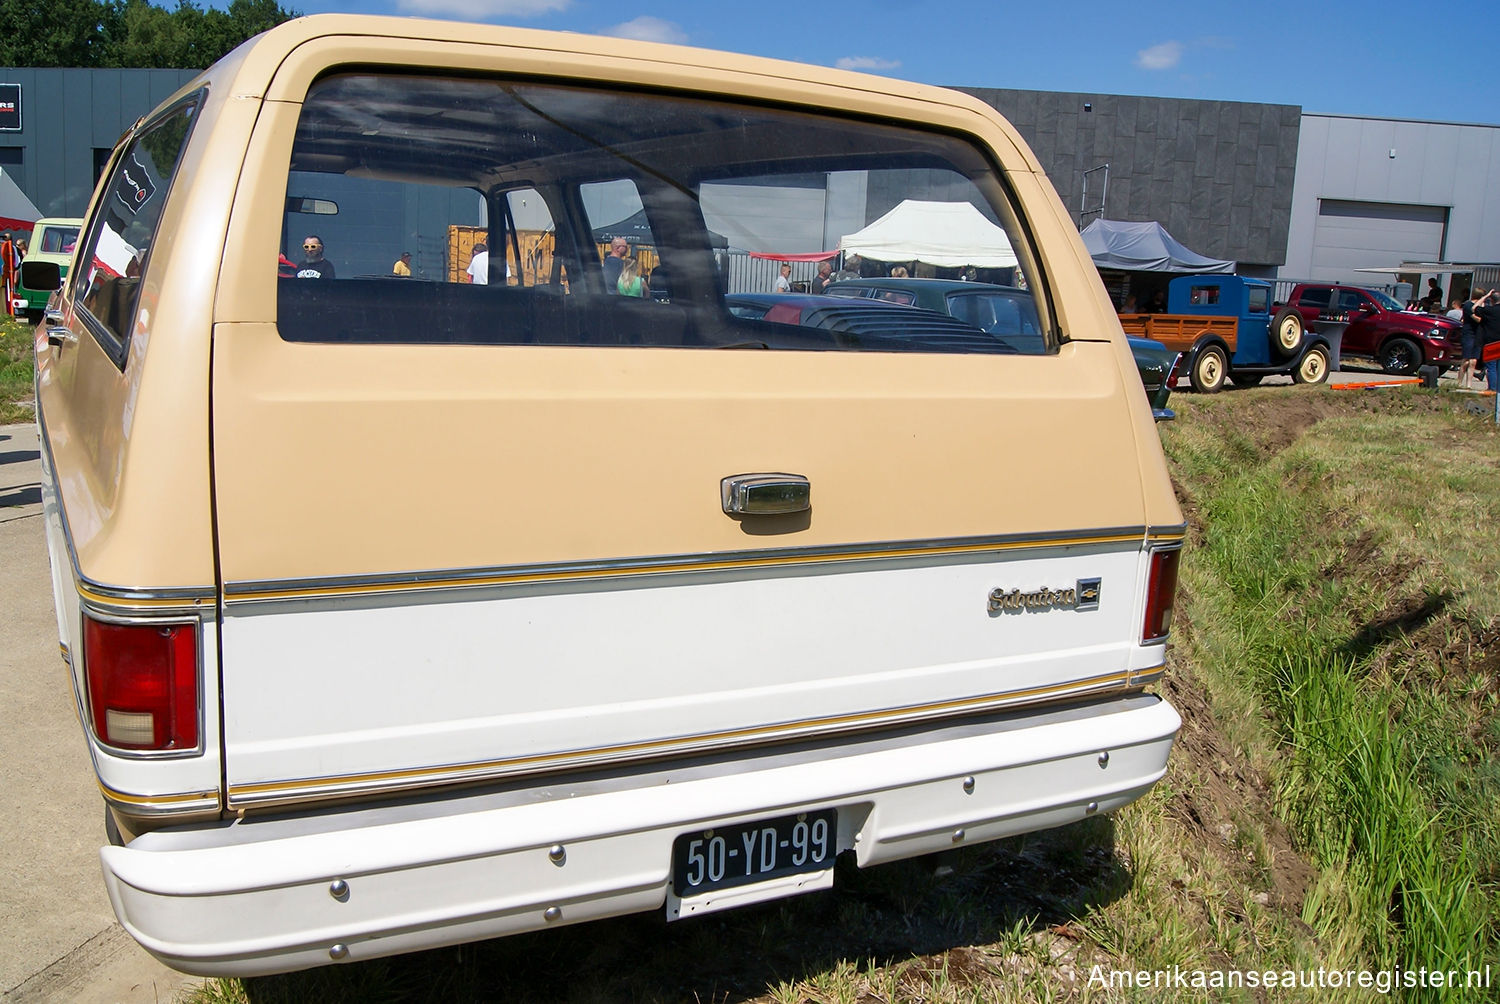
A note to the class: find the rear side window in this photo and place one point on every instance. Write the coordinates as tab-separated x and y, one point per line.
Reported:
1260	299
623	218
58	240
1314	298
108	272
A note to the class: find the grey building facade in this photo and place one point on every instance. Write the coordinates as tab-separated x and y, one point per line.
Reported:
70	120
1217	174
1272	188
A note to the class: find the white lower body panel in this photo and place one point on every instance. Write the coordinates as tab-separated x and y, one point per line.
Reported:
255	897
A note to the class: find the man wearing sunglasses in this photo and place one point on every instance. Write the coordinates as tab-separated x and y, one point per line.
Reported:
314	265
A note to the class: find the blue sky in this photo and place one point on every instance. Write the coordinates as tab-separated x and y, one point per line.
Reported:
1377	58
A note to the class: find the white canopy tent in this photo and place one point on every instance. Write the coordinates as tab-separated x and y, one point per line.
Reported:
945	234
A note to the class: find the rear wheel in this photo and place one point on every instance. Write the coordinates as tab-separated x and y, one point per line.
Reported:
1287	331
1210	366
1313	368
1400	355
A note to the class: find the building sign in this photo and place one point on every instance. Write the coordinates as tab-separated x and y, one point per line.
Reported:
10	107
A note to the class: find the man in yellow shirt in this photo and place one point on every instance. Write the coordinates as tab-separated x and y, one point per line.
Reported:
403	265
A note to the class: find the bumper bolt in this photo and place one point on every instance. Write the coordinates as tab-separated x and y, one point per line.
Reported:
1092	808
557	854
339	890
958	836
1104	759
338	952
552	913
968	786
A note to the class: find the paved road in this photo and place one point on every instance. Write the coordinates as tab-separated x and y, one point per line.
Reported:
58	936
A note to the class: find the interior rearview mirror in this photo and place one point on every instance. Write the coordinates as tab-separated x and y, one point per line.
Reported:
312	207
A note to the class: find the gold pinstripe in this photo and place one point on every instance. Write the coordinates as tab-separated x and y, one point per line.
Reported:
459	580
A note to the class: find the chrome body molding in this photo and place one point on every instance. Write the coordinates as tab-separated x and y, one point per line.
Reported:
256	795
271	590
165	806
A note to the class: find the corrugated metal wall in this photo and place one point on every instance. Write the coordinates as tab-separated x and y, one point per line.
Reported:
68	114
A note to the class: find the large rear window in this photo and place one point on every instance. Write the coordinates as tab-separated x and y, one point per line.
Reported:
425	209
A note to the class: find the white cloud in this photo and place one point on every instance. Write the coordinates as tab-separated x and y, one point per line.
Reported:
1159	57
480	10
649	29
867	63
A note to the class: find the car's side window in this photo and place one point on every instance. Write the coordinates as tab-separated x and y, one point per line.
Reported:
114	256
1260	299
1351	300
1314	298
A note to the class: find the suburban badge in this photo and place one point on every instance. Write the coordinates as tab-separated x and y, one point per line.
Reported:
1084	595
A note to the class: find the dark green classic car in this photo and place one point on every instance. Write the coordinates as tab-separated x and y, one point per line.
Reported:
1008	313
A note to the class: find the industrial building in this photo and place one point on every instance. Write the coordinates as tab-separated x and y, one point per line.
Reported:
1284	193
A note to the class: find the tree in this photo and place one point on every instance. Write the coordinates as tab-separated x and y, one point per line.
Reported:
128	33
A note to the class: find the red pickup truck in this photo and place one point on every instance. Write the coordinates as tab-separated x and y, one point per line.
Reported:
1401	341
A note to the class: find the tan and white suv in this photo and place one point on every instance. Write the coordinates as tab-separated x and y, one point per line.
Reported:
410	609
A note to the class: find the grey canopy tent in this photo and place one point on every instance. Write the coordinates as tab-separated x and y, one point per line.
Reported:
1144	247
16	210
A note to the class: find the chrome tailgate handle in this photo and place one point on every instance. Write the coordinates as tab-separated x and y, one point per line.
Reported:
765	494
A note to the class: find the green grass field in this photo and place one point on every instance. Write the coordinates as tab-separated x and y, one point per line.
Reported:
16	347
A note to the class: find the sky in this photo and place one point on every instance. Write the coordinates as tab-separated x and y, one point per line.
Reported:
1339	57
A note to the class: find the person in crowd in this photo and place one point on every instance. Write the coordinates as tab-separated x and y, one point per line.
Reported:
9	261
479	265
1433	301
1487	312
313	264
823	278
899	272
1469	337
619	250
851	269
631	282
783	283
403	265
1158	304
1130	305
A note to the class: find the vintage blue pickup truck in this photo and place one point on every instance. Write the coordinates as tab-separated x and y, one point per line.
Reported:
1224	326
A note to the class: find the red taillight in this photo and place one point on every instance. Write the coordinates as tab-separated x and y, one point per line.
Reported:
143	684
1161	590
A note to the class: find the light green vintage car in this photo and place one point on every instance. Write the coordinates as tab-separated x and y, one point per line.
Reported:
51	240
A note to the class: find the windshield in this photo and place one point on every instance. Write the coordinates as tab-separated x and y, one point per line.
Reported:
1386	302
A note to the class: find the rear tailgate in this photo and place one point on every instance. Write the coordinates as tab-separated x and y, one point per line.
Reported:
476	530
497	559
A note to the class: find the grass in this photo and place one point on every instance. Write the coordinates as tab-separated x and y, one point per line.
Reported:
16	347
1330	804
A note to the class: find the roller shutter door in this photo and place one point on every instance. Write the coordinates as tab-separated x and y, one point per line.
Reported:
1351	235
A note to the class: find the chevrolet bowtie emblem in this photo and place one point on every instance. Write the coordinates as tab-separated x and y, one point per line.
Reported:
1083	595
